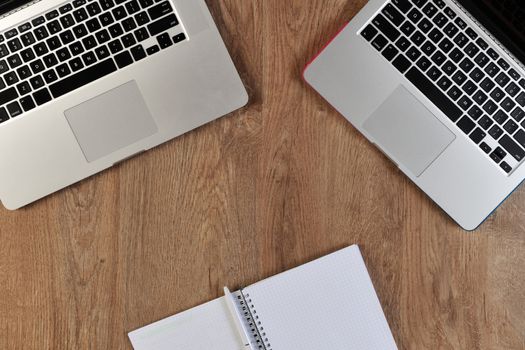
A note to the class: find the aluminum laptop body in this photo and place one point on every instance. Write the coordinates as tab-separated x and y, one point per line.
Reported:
446	150
164	72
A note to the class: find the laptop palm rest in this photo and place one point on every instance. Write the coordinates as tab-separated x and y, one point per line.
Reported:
111	121
407	131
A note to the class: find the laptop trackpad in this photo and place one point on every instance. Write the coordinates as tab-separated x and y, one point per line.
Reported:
408	132
111	121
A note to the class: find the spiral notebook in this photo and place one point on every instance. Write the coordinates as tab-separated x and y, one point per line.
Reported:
329	303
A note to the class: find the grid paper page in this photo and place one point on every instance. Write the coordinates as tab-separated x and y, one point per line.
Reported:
208	327
329	304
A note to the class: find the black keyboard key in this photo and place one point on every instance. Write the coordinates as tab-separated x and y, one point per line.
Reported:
115	46
41	49
129	40
119	13
482	43
449	68
432	92
89	58
23	88
507	104
106	19
477	75
497	94
403	44
141	34
518	114
435	35
65	8
82	78
419	3
423	63
14	61
430	10
54	27
466	125
11	33
446	45
460	23
428	48
153	50
67	37
461	40
14	45
138	52
482	60
492	69
50	60
434	73
164	41
500	152
78	3
475	112
11	78
36	82
129	24
487	85
502	79
132	7
76	64
115	30
8	95
80	31
41	33
510	127
63	70
439	58
403	5
424	25
102	52
514	75
503	64
142	18
485	122
440	20
490	107
401	63
418	38
500	117
407	28
379	42
146	3
27	39
469	88
512	147
466	65
444	83
495	132
451	30
471	33
3	50
456	55
93	25
24	72
41	96
38	21
50	76
89	42
54	43
102	36
506	167
67	21
14	109
93	8
51	15
3	115
123	59
486	148
106	4
37	66
63	54
27	103
471	50
454	93
512	89
170	21
27	54
164	8
478	135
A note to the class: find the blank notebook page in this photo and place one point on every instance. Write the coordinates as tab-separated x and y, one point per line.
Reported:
329	303
209	326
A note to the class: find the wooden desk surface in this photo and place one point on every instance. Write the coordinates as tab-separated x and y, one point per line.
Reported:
278	183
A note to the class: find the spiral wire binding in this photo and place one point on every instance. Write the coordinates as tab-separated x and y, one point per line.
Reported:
252	322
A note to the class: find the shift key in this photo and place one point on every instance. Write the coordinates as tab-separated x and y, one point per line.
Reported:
160	10
162	24
512	147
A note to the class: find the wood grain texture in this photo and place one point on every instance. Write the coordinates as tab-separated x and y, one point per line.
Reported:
278	183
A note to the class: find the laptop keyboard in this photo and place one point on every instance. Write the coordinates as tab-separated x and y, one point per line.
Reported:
462	74
76	44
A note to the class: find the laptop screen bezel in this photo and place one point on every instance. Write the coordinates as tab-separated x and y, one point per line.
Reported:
7	6
481	12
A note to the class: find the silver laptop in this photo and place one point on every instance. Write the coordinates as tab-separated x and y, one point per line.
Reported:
85	84
438	86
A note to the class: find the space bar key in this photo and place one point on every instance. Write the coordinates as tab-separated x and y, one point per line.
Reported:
434	94
82	78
